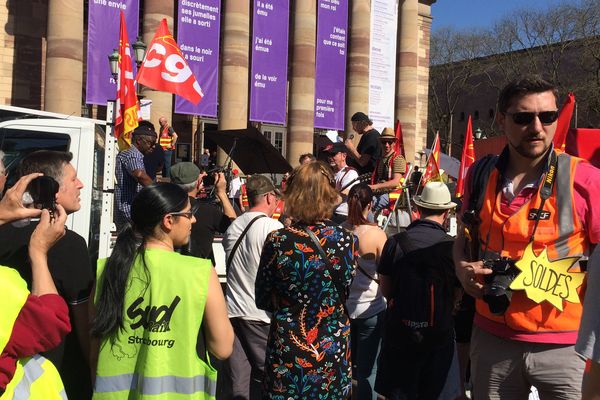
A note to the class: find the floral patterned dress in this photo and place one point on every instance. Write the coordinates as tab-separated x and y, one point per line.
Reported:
308	352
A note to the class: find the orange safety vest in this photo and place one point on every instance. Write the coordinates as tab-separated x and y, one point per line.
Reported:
166	139
245	202
562	234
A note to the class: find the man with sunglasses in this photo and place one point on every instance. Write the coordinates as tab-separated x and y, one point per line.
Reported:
131	172
388	171
532	199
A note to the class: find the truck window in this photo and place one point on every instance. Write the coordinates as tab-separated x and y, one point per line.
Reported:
16	144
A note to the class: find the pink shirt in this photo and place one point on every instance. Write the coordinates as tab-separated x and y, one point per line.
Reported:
586	188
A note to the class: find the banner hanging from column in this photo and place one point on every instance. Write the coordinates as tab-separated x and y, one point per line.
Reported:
268	81
382	62
330	74
103	38
198	28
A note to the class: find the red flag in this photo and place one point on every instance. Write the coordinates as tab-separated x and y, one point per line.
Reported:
564	121
165	68
127	106
399	147
432	172
467	159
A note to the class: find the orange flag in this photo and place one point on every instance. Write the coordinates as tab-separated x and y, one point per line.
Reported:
399	147
564	121
432	172
467	159
127	106
165	69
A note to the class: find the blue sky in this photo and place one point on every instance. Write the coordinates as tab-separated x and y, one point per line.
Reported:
465	14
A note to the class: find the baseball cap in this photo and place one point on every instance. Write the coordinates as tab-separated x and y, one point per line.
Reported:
260	184
185	172
335	148
359	116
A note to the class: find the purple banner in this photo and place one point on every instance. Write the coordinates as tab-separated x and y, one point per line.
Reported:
103	38
330	74
198	28
269	61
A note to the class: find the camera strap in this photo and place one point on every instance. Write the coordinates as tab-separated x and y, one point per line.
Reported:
546	190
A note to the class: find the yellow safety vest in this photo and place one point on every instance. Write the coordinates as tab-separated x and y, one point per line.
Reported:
35	377
154	356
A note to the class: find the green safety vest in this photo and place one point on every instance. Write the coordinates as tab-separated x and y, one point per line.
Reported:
154	356
35	377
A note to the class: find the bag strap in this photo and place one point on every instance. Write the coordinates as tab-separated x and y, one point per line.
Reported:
239	241
336	283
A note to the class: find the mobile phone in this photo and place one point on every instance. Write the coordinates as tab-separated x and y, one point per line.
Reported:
43	191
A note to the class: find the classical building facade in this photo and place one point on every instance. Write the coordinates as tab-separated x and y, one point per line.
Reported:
44	57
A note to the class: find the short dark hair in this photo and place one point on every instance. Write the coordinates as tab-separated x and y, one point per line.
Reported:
428	212
307	155
49	162
520	87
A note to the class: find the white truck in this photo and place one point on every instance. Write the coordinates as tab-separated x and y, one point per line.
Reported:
93	147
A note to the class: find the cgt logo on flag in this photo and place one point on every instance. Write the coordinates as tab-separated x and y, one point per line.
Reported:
165	69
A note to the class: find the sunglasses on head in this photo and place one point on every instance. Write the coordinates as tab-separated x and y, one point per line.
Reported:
525	118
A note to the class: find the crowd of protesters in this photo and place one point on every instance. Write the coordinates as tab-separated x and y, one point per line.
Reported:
318	298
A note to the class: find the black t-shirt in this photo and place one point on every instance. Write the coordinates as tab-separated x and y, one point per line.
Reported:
209	220
153	160
70	266
369	144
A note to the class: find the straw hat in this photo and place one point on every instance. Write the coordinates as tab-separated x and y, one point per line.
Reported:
435	196
387	134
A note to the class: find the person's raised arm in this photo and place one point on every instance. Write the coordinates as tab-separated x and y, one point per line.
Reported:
216	325
45	235
142	177
361	159
220	187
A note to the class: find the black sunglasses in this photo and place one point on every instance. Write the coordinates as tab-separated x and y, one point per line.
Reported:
525	118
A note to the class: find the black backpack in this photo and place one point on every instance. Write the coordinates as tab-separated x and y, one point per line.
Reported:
422	303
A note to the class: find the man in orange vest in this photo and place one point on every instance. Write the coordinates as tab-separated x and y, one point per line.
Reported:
533	208
388	171
167	140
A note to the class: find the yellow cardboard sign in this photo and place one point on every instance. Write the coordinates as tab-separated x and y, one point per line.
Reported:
543	279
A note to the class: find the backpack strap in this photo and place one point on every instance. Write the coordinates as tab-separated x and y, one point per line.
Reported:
239	241
479	179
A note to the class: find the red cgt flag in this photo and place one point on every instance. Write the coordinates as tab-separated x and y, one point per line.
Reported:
432	172
564	121
467	159
165	69
127	106
399	141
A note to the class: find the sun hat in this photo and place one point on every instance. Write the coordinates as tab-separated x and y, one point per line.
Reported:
435	196
387	134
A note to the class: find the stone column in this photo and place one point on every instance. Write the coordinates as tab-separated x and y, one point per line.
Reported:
357	94
302	81
154	12
407	82
424	32
233	99
64	57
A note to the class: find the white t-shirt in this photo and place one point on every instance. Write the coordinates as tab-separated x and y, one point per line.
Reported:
235	187
342	178
244	265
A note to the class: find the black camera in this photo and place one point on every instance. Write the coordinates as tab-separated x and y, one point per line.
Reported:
43	191
497	292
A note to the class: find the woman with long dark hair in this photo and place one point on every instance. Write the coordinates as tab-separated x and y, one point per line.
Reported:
303	278
366	304
151	303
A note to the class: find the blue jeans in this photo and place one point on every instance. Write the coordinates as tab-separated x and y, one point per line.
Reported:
380	202
166	172
365	340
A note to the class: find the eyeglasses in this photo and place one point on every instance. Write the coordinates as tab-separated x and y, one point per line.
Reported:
525	118
188	214
390	142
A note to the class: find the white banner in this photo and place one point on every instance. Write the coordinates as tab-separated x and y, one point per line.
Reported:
382	62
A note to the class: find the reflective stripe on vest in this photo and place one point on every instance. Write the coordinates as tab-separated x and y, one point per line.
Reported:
35	378
165	139
561	233
156	385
